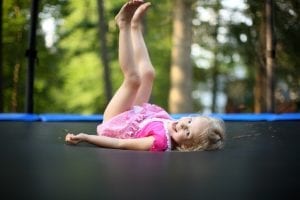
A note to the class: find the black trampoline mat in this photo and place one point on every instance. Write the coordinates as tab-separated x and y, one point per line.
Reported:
260	161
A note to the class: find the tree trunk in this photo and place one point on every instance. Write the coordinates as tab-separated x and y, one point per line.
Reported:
103	50
215	74
259	89
180	99
14	97
260	71
270	57
215	67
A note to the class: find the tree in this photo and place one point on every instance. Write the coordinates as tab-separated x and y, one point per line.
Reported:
13	64
270	56
180	99
287	30
215	54
103	51
253	50
215	67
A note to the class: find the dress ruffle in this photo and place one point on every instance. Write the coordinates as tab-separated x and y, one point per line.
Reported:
127	124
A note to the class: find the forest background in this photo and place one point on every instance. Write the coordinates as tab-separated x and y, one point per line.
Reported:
222	70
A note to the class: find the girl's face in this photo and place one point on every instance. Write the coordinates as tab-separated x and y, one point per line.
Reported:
185	130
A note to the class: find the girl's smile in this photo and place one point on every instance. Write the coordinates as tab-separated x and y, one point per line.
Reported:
186	129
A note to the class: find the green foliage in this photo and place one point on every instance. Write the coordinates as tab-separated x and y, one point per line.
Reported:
80	67
69	74
288	40
14	46
252	51
158	32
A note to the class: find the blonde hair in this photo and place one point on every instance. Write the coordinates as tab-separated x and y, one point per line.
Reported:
211	138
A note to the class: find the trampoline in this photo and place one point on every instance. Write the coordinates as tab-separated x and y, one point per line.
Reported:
260	161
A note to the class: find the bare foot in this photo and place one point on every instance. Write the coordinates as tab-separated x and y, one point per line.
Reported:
126	13
138	15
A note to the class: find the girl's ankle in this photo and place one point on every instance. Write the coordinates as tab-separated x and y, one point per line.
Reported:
123	25
136	26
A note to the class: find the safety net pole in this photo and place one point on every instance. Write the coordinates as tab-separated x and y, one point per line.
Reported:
31	54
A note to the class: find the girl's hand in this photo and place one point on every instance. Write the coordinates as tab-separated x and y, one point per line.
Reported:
74	139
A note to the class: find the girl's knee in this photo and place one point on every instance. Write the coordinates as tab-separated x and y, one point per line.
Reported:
148	74
133	81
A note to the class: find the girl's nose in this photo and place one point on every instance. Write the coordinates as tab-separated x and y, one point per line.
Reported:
183	126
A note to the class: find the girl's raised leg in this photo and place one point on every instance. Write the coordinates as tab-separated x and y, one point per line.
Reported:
124	97
141	56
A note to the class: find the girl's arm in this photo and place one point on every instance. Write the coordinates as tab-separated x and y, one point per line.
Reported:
143	144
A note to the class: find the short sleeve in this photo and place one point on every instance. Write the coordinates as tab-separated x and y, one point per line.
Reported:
160	143
157	130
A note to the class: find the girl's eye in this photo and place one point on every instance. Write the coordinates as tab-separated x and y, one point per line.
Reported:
188	133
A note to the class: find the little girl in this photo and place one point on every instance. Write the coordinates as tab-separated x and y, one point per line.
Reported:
129	121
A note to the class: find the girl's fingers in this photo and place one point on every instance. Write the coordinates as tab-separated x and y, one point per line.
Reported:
71	138
67	138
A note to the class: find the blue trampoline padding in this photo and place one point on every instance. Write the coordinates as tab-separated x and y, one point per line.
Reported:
258	117
179	115
69	117
288	116
246	116
56	117
19	117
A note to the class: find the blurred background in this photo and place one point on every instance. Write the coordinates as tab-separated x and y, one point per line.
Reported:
210	56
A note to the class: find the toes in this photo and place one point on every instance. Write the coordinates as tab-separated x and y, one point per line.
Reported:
141	11
146	5
143	7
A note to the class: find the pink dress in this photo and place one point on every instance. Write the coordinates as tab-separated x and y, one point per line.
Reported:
140	121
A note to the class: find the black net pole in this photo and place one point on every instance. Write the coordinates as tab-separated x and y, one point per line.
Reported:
31	54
